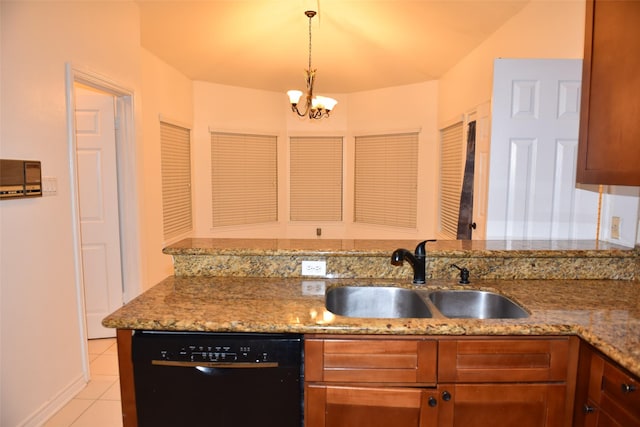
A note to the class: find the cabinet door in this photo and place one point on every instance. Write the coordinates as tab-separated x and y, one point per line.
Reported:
505	405
347	406
620	395
598	418
613	395
371	360
609	152
503	360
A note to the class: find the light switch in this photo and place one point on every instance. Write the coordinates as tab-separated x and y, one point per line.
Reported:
49	186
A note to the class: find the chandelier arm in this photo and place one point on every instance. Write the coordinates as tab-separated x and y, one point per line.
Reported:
294	108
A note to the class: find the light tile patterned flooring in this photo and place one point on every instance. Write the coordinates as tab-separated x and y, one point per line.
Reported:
98	404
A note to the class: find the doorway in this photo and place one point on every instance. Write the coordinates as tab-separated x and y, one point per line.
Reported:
98	201
83	193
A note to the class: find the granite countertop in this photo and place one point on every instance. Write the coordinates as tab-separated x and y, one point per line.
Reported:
606	313
383	248
347	259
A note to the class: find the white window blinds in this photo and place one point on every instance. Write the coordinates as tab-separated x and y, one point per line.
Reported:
386	168
451	174
243	179
316	179
176	180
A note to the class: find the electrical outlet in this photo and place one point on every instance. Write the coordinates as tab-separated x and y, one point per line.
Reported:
314	268
615	227
313	287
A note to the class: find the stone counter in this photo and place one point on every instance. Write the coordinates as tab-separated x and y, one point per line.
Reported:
495	260
605	313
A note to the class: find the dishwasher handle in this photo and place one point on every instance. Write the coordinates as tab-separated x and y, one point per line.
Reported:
232	365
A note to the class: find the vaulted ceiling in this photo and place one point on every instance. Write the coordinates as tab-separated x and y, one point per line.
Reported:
357	44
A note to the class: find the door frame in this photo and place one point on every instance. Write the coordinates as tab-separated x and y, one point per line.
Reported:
127	194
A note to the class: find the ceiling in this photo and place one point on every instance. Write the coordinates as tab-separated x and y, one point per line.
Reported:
357	44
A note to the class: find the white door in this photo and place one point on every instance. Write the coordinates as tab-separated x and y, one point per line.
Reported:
534	142
98	199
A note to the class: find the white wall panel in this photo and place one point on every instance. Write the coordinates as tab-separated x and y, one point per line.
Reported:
535	118
525	99
520	183
90	188
569	100
564	192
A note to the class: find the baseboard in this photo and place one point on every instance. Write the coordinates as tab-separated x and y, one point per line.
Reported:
49	408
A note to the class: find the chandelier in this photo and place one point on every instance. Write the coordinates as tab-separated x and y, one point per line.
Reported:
315	107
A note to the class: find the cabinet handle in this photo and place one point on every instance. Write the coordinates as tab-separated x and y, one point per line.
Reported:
628	388
432	401
446	396
588	409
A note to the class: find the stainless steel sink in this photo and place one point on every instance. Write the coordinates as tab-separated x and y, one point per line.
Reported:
376	302
475	304
386	302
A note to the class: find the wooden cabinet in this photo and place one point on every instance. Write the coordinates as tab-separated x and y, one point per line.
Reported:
367	381
331	405
606	394
521	405
609	152
509	382
371	360
370	381
503	360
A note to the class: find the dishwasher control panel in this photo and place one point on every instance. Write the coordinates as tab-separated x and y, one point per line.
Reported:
216	353
219	348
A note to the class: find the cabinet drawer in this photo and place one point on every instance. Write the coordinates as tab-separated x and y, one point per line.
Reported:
339	406
620	392
371	360
503	360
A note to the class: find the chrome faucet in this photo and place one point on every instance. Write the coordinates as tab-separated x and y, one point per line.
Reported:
417	260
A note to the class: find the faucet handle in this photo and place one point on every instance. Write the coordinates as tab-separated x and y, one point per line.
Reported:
421	248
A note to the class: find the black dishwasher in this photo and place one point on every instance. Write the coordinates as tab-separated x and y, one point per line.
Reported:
217	379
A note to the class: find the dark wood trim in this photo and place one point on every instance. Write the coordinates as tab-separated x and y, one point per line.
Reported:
127	388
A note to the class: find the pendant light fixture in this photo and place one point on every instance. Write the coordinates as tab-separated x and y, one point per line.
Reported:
315	107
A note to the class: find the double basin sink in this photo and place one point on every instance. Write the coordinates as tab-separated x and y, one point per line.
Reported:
384	302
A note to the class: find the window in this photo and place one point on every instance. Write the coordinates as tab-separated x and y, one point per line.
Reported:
176	180
316	179
451	174
243	179
386	168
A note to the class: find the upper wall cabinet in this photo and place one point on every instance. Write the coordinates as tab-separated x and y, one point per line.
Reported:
609	149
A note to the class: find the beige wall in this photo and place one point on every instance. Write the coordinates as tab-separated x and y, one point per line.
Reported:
39	315
543	29
168	95
39	299
398	109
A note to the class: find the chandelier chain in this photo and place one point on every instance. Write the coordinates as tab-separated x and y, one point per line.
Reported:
310	42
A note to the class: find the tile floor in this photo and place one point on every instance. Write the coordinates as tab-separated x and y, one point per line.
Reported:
98	404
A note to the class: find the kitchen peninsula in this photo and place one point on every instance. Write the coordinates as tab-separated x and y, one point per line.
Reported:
584	289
